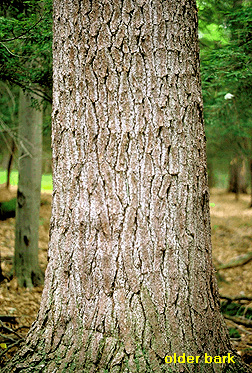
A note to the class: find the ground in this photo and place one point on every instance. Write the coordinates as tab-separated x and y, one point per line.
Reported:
231	237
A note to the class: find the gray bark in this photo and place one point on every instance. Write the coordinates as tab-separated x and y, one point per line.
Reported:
26	266
130	276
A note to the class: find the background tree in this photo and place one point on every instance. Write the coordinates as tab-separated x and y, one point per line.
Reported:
25	59
130	277
238	176
226	73
28	195
8	127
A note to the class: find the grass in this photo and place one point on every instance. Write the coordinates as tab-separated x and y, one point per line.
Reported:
221	180
46	183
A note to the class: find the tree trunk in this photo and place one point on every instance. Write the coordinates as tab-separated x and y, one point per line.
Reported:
250	171
10	161
26	265
130	278
237	179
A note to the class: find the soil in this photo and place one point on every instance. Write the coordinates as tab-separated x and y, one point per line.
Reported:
231	238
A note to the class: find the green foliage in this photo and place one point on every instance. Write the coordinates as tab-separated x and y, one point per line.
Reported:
233	333
225	30
25	45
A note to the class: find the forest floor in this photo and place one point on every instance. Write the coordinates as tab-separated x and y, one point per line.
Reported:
231	238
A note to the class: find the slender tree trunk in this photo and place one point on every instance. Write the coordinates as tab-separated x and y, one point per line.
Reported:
237	178
250	171
130	278
10	164
26	264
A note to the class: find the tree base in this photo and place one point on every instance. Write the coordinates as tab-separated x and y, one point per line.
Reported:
32	279
67	359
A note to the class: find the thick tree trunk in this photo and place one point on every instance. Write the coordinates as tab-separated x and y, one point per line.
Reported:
26	265
130	278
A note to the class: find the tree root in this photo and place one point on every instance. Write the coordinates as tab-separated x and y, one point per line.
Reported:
239	261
